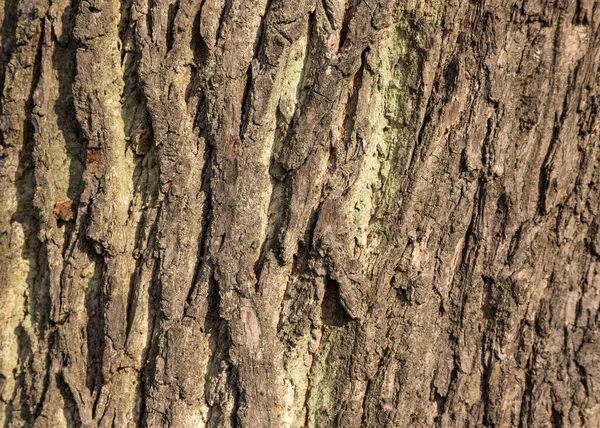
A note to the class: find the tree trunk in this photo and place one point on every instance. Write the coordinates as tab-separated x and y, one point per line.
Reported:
283	213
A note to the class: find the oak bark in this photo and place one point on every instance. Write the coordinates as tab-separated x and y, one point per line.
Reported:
299	213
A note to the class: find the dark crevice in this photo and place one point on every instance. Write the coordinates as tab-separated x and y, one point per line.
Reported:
46	384
421	133
125	30
223	18
349	12
486	365
544	181
580	17
96	395
149	20
278	212
150	353
95	305
259	42
203	238
440	405
7	42
25	361
132	307
70	409
583	378
25	175
525	413
132	297
329	14
8	37
300	262
556	418
219	341
202	127
487	159
64	62
450	77
172	14
246	103
349	124
470	246
233	381
279	170
374	385
197	43
489	305
149	198
276	217
311	36
247	110
332	312
38	304
142	240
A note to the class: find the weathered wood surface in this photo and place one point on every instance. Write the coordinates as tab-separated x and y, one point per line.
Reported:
294	213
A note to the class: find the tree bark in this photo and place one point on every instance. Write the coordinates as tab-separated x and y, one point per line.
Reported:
283	213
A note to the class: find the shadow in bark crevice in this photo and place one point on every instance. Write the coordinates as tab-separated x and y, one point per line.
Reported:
95	305
8	32
217	329
332	312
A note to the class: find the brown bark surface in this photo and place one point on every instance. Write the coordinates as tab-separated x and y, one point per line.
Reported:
298	213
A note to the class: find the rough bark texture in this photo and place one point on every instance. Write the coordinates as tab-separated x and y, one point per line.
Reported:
289	213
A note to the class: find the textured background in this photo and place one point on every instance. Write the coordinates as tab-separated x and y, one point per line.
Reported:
294	213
